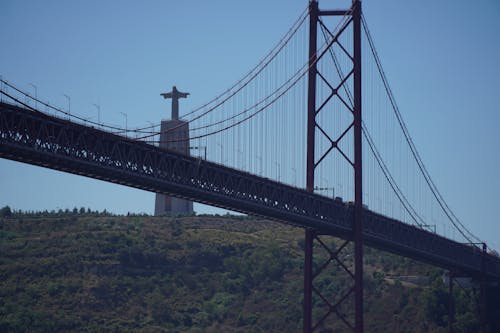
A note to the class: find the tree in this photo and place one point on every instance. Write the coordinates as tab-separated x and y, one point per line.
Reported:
436	300
5	212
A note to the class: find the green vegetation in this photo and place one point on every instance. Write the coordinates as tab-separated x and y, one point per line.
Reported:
86	271
5	212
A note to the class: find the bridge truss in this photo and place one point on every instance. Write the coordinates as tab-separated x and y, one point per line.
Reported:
33	137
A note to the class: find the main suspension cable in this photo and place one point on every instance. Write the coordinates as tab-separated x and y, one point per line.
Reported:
340	26
432	186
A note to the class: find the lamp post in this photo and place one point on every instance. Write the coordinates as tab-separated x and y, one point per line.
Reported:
260	164
36	94
98	107
126	127
278	167
153	126
69	105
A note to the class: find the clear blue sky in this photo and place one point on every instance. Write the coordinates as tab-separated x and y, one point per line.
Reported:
441	58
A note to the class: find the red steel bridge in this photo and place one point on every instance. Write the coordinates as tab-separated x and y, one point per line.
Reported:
299	111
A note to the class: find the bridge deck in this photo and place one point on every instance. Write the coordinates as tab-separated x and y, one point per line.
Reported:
39	139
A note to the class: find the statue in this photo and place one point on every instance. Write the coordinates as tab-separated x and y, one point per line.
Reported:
175	95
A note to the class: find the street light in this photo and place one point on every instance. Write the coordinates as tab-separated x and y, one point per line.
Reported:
98	107
47	109
126	127
278	167
153	126
69	105
260	164
36	94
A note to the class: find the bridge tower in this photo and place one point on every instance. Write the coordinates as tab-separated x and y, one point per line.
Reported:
174	135
352	318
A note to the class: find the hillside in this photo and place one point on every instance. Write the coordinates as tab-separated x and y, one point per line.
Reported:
71	272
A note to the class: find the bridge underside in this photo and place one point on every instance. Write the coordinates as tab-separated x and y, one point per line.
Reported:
38	139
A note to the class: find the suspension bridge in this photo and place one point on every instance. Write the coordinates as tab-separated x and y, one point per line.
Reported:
304	108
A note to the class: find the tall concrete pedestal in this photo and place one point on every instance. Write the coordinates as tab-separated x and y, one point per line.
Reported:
174	136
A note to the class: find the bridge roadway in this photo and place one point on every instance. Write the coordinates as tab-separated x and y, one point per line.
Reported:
36	138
